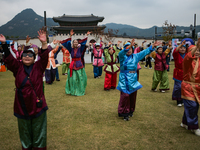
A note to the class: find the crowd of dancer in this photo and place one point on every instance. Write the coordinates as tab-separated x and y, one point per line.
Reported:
32	63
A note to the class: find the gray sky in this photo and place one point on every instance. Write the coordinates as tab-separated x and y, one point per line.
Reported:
139	13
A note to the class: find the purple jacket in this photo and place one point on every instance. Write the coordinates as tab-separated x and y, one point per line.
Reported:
25	97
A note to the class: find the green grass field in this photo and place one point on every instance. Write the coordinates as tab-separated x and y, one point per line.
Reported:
91	121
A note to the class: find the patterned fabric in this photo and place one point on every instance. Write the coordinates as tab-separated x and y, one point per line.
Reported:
76	84
33	133
162	78
66	56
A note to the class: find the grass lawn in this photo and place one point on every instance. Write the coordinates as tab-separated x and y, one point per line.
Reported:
91	121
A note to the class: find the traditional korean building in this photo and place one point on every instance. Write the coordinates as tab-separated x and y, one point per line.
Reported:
80	24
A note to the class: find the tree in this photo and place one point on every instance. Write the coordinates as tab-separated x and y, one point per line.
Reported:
168	31
110	36
98	33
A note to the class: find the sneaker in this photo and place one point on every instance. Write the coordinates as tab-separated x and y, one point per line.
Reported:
184	126
145	67
65	73
126	118
150	68
98	76
197	132
162	91
57	79
131	115
179	105
155	90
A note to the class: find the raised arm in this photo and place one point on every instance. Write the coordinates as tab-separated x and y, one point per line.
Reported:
168	50
12	63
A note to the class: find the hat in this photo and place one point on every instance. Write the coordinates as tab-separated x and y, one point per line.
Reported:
29	50
97	44
33	45
159	47
188	41
127	44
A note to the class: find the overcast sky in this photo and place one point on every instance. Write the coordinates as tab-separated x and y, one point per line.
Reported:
139	13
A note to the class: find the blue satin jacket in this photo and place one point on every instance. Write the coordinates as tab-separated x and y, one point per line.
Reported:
128	70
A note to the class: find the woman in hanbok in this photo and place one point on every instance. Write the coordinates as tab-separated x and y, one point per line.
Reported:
128	81
190	89
77	79
178	54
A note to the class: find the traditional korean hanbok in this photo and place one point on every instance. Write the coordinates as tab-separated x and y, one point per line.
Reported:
66	61
178	76
98	62
128	80
32	120
111	68
77	79
160	71
190	90
18	54
50	71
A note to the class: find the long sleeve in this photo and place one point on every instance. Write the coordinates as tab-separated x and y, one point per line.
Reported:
167	51
12	63
44	55
143	53
83	43
67	44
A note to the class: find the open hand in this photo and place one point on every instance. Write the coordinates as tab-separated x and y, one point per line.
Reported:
27	38
71	32
2	38
133	42
170	43
42	36
183	43
89	32
156	43
56	41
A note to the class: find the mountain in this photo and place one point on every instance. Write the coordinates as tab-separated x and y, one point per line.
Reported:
28	22
25	23
135	31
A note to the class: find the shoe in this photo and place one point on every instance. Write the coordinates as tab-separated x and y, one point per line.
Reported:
197	132
155	90
57	79
66	74
150	68
162	91
98	76
131	115
179	105
126	118
145	67
184	126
